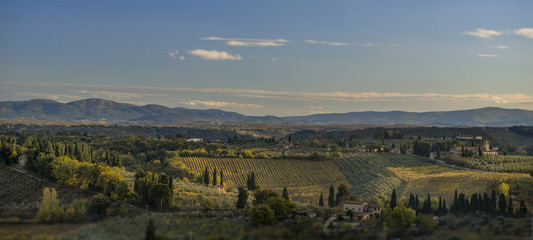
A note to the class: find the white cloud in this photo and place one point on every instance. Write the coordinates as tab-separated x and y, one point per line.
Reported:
487	55
526	32
250	42
281	40
214	55
327	43
218	104
370	44
500	47
254	44
488	34
173	55
484	33
182	58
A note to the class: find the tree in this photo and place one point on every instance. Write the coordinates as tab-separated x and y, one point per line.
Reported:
401	217
280	206
160	196
206	176
49	209
321	200
331	197
150	231
122	190
503	188
393	199
502	204
215	177
241	198
262	195
349	213
98	207
261	215
285	194
221	177
342	194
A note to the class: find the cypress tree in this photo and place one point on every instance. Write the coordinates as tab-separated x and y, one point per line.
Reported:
321	200
241	198
411	203
502	204
221	177
444	208
455	203
486	203
171	185
439	209
150	231
215	177
206	176
285	193
523	209
461	204
417	204
510	210
253	183
493	202
393	199
331	197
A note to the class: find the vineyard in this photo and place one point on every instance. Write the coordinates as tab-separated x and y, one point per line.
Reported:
502	163
370	174
443	181
304	179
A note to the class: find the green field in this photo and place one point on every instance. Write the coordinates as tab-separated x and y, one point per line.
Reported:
304	179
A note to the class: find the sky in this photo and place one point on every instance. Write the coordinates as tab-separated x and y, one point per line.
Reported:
279	58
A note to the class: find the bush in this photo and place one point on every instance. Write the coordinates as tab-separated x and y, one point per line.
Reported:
261	215
98	207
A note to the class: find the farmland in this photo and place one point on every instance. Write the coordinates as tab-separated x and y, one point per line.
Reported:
305	179
370	174
501	163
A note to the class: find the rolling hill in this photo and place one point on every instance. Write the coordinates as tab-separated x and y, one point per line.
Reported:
99	110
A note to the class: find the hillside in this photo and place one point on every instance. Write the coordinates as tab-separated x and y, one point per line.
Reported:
304	179
99	110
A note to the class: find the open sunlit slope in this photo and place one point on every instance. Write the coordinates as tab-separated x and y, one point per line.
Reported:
371	174
305	179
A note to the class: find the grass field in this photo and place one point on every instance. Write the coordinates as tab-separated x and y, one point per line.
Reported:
304	179
370	174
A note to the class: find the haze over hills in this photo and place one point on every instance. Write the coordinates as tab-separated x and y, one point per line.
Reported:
99	110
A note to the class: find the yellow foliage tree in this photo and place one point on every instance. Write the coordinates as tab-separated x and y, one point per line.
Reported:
49	209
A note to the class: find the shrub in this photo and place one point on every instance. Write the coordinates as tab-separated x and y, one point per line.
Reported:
261	215
97	207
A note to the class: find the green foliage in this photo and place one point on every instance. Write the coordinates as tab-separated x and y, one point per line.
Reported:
426	224
261	215
342	194
401	217
97	207
160	196
150	231
241	198
208	204
261	196
285	194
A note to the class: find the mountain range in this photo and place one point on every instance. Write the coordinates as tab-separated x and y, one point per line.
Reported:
99	110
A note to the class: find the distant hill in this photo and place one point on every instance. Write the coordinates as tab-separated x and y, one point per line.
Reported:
99	110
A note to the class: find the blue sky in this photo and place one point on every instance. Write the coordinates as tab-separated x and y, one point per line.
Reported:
271	57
